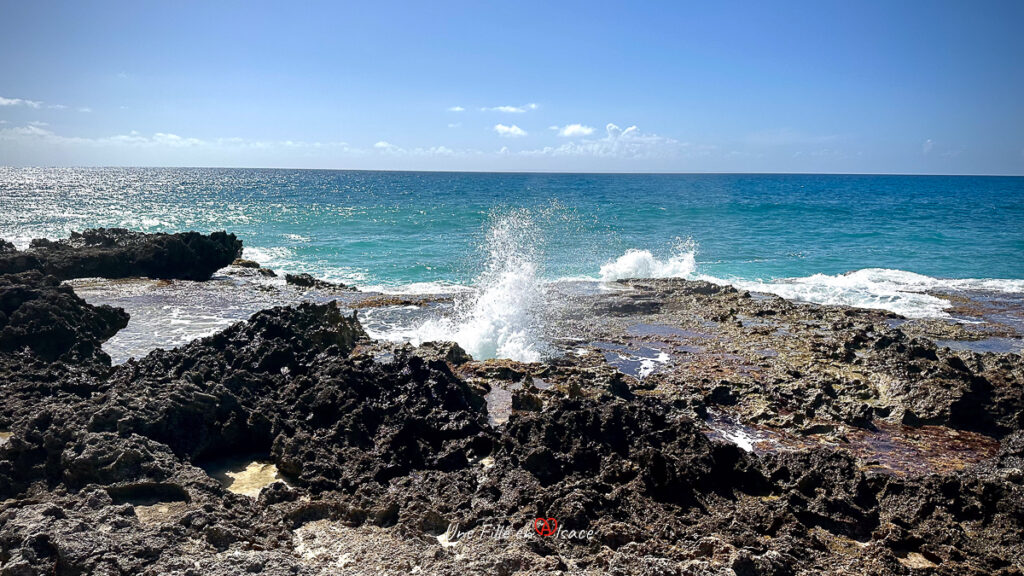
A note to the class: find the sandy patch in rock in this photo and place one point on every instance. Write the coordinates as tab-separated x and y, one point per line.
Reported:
160	512
336	548
247	478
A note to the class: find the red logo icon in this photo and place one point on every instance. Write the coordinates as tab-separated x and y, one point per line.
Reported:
545	526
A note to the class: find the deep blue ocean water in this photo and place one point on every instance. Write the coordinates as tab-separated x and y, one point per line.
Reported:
795	234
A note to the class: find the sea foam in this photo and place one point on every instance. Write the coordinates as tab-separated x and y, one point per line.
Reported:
905	293
503	317
270	257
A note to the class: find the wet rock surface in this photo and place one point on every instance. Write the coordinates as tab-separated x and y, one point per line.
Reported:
309	281
120	253
362	457
816	370
245	267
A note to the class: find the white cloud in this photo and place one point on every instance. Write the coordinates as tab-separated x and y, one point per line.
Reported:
19	102
175	141
573	130
512	131
927	146
36	104
388	148
455	124
511	109
38	123
29	131
456	109
506	109
440	151
23	142
618	143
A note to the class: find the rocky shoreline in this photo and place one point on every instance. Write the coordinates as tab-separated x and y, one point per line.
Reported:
685	428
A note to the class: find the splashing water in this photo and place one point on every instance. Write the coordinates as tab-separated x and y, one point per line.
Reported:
504	317
642	264
899	291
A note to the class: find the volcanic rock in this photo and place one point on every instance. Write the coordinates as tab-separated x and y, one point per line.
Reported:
388	462
308	281
120	253
40	314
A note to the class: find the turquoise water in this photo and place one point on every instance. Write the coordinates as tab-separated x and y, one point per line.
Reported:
792	234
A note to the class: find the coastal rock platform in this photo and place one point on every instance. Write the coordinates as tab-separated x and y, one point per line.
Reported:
684	428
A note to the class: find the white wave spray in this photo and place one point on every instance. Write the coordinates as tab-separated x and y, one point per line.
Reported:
504	316
643	264
899	291
905	293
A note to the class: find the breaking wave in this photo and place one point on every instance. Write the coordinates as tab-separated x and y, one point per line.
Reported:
905	293
503	317
642	264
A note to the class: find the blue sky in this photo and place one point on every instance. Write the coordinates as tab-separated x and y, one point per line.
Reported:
816	86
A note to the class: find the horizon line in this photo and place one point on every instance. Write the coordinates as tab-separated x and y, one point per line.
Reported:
547	172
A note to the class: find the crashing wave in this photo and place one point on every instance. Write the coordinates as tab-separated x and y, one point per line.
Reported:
503	318
643	264
899	291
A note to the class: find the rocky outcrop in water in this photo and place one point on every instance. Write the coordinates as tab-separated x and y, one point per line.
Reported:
308	281
120	253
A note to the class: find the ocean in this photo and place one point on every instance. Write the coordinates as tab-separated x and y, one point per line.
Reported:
892	242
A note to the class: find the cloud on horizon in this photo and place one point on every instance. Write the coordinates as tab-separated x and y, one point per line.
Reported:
35	133
436	151
37	104
169	148
617	142
19	102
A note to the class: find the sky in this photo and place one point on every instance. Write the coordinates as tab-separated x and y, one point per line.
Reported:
811	86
